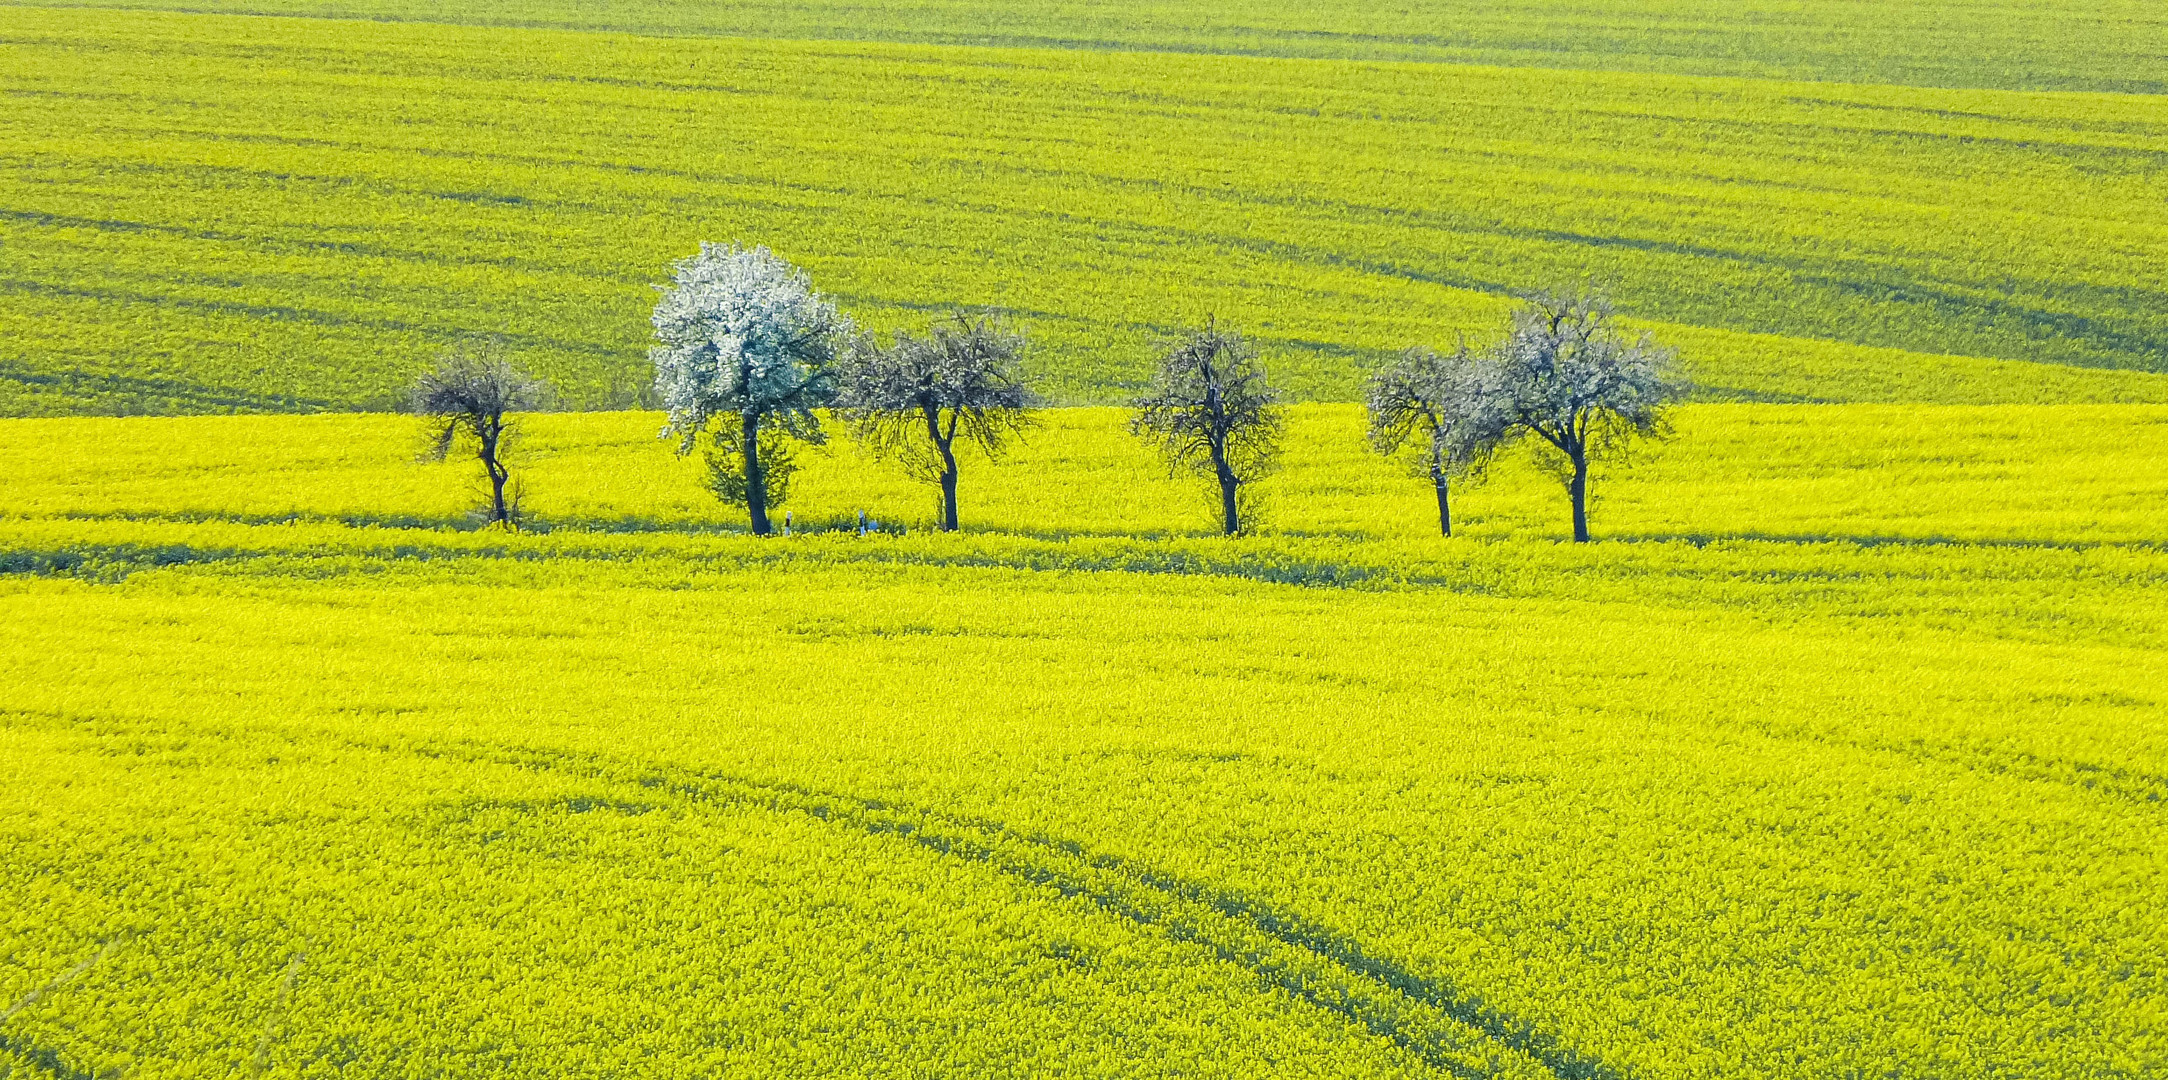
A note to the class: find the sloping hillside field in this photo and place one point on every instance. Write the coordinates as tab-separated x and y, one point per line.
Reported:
208	214
2110	45
1083	791
1841	752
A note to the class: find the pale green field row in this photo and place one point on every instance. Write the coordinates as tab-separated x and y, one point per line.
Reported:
595	805
2043	475
2111	45
206	213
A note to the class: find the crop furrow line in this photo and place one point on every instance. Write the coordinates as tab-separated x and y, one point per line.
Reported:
2113	781
285	313
1425	1016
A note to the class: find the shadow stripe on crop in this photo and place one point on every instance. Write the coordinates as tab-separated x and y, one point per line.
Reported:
286	313
622	525
38	1060
1447	1027
2112	781
106	392
112	563
2115	336
273	243
2125	334
732	550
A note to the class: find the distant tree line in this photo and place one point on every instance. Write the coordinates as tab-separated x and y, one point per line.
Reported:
747	352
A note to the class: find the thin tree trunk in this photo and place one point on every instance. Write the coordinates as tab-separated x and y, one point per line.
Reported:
1445	508
1227	483
948	493
946	445
756	485
498	512
497	477
1230	521
1579	488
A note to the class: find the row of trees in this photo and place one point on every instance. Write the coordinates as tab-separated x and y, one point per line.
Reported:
748	352
1564	374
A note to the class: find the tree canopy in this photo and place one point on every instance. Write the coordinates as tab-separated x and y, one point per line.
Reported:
741	333
1573	378
1210	409
471	393
1453	405
912	400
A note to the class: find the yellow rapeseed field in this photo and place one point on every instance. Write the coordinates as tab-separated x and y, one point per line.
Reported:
1843	753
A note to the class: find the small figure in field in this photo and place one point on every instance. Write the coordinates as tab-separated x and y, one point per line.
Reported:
912	400
1571	376
473	392
1210	409
1452	404
744	339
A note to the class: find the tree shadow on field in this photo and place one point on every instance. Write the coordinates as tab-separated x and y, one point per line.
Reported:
633	525
438	522
39	1057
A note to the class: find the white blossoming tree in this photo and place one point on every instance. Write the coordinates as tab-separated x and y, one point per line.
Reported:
1452	405
1572	377
747	345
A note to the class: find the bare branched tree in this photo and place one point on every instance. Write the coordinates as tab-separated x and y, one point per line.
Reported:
1210	409
1574	379
1452	405
470	395
912	400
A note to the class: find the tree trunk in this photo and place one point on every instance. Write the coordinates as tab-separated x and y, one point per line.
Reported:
1230	521
1227	482
756	485
497	477
492	433
1579	489
948	490
946	444
1445	508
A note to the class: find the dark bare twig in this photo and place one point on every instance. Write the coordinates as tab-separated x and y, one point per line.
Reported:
912	400
1210	409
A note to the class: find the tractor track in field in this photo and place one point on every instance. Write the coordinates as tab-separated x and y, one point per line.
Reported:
1448	1028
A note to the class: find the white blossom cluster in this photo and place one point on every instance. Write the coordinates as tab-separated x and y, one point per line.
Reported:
741	331
1575	378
